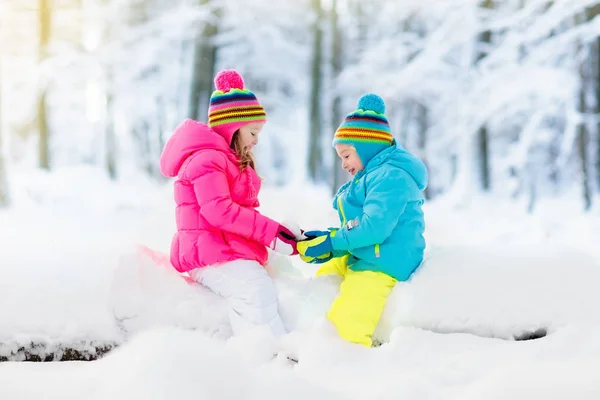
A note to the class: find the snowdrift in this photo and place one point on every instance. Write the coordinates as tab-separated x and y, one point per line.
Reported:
72	285
503	292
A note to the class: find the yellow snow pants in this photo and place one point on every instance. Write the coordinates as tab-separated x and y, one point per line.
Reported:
356	310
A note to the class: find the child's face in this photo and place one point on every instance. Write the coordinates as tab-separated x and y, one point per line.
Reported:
350	160
249	134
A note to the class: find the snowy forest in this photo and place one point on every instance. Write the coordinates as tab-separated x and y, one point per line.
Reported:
498	97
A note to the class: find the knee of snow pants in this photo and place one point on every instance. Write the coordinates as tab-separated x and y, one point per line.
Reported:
250	293
358	307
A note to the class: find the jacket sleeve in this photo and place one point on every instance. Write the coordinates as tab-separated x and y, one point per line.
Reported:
385	201
208	173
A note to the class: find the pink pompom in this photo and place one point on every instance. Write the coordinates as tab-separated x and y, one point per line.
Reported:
228	79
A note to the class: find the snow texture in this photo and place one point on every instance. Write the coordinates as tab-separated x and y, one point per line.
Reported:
448	332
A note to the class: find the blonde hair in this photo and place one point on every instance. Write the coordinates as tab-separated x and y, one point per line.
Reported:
246	156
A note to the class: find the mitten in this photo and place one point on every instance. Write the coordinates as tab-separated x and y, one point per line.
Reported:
318	244
284	242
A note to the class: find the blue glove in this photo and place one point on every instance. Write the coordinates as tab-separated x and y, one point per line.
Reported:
318	244
314	234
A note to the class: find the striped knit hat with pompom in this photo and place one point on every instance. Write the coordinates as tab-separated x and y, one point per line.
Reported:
367	128
232	106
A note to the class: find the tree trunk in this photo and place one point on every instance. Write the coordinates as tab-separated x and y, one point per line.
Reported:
110	147
582	128
582	143
4	196
422	120
204	64
408	106
339	174
4	190
110	137
42	118
484	157
596	55
315	155
42	123
591	13
483	135
362	24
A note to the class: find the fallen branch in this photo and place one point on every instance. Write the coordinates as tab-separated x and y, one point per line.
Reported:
41	352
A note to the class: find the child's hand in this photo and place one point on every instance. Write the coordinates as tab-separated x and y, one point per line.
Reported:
318	245
313	234
285	242
294	228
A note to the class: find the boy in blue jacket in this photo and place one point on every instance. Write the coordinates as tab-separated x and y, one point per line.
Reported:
380	240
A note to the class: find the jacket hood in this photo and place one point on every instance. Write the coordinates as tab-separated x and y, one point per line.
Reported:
189	137
398	156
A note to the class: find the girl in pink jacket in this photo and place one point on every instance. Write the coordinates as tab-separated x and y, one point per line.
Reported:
221	238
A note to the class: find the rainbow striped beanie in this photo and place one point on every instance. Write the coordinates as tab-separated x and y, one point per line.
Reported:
367	128
232	106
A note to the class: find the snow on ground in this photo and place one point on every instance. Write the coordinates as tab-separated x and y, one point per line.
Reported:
162	364
70	273
172	363
58	246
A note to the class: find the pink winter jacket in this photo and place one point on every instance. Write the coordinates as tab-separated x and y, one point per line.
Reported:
215	213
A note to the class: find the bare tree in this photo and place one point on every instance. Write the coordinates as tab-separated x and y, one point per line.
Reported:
205	57
315	155
483	144
596	56
110	138
583	135
582	144
421	114
4	197
592	12
45	17
423	124
339	175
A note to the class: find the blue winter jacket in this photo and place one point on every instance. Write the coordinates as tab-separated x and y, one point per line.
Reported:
384	200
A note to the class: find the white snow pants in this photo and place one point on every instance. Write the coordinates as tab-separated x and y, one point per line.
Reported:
250	293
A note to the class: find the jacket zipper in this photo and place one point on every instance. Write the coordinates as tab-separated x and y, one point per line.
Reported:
341	209
339	201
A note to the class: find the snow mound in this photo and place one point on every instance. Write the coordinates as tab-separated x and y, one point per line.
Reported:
160	364
495	292
146	295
